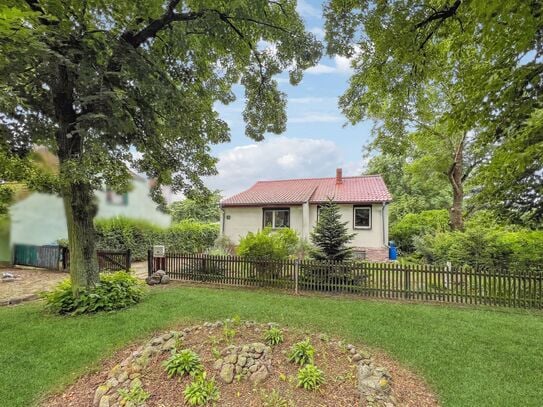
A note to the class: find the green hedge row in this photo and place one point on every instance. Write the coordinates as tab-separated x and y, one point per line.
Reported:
187	236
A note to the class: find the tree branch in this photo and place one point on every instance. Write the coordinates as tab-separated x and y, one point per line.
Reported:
442	14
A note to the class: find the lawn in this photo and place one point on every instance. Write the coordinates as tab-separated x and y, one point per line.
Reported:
469	357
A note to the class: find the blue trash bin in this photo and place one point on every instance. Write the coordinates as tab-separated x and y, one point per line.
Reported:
392	251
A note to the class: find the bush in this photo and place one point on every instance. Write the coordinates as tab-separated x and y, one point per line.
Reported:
136	396
115	291
414	225
310	377
268	244
201	391
121	233
494	248
273	336
184	362
302	353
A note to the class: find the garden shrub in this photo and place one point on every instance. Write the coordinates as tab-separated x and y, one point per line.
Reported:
201	391
115	291
184	362
122	233
413	225
310	377
139	236
302	353
268	244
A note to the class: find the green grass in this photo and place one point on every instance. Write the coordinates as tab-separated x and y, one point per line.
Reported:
470	357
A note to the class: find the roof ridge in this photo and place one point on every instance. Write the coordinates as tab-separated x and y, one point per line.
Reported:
319	178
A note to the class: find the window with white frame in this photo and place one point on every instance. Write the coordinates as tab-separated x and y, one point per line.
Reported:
362	217
276	218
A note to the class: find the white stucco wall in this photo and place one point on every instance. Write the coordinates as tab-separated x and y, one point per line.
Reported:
39	219
249	219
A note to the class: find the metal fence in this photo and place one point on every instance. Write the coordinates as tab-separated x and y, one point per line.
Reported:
381	280
55	257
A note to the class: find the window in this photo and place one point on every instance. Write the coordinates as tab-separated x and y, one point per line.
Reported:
362	217
276	218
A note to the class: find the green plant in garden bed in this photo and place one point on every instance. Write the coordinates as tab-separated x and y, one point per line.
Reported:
184	362
274	399
302	353
201	391
135	396
115	291
310	377
273	336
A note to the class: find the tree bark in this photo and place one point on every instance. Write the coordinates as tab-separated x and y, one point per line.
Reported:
78	195
456	218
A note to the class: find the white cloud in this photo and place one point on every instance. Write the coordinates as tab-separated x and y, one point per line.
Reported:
308	10
276	158
312	100
315	118
342	65
318	31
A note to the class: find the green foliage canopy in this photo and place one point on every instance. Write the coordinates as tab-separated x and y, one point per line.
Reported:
203	209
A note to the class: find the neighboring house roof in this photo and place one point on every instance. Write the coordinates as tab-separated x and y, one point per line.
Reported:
360	189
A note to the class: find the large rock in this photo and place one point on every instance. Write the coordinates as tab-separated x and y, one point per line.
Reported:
227	373
165	279
260	375
373	381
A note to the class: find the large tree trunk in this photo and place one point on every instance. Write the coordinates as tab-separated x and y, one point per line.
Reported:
80	209
78	196
456	179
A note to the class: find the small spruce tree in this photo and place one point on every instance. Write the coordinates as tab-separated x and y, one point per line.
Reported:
330	236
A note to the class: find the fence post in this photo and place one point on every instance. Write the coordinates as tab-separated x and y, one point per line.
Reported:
149	262
407	281
128	260
296	267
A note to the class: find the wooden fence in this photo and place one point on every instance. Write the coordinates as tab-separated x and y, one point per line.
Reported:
380	280
55	257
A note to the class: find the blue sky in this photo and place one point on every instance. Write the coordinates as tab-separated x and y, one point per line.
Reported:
316	140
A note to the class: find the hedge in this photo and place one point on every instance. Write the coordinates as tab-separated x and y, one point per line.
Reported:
122	233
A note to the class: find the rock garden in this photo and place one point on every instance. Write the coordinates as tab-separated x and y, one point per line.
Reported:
242	363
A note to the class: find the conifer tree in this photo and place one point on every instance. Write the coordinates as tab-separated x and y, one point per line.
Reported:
330	236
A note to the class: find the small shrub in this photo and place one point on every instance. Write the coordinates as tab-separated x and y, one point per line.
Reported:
135	396
310	377
302	353
273	336
201	391
228	333
274	399
115	291
184	362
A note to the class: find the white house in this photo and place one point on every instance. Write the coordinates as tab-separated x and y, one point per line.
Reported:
39	218
294	203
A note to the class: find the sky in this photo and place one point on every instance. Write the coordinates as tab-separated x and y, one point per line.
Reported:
317	139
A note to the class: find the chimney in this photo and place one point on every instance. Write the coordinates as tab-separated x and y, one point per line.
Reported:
339	176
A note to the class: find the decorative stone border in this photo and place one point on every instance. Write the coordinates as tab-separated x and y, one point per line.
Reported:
250	360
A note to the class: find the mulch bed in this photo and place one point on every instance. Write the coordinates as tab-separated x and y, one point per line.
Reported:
332	357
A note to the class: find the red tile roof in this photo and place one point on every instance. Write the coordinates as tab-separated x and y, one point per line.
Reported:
361	189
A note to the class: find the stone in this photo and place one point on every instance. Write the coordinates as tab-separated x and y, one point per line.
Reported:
115	370
158	340
357	357
242	360
253	368
123	377
165	279
259	347
349	346
153	280
168	345
134	368
260	375
233	358
160	273
238	369
218	364
112	382
104	402
135	383
99	393
249	362
227	373
134	375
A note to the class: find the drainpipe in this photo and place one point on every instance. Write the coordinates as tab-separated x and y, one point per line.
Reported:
385	243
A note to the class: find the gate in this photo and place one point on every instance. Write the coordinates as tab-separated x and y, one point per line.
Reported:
55	257
47	257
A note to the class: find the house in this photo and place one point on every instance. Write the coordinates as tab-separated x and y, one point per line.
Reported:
39	218
294	203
